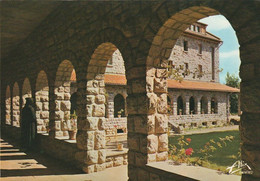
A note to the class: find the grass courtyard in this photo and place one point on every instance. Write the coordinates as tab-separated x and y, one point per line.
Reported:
222	157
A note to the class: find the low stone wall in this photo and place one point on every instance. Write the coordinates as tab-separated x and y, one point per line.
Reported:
64	150
111	125
198	120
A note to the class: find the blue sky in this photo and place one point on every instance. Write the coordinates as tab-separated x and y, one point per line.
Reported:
229	51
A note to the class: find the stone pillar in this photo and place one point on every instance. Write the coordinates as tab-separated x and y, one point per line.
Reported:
62	110
250	107
198	106
110	105
147	121
187	105
209	106
174	105
54	128
91	136
16	111
228	107
239	106
42	109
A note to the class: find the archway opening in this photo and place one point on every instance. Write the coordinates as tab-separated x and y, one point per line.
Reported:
180	107
42	102
105	82
214	105
65	86
193	59
192	105
119	106
204	105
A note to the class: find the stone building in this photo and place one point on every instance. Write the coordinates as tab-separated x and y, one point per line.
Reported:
198	100
43	41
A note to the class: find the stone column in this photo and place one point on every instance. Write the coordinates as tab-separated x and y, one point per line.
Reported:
209	106
147	120
239	106
198	106
250	107
91	137
110	105
54	126
174	105
228	107
187	105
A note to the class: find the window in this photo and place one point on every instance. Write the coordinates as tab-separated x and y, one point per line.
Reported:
193	27
198	29
186	66
200	69
180	110
110	62
192	105
214	106
119	106
204	105
185	45
200	48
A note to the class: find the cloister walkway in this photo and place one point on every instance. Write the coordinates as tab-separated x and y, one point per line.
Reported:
17	165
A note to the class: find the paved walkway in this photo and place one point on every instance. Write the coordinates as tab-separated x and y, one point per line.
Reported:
22	166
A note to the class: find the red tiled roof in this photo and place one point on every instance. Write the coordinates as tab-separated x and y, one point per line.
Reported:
174	84
207	35
207	86
115	79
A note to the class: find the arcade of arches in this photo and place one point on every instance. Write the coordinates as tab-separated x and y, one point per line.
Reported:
75	37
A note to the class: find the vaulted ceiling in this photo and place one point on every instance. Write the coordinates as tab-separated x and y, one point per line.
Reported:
18	19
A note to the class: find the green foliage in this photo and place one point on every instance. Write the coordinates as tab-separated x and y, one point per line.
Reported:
233	81
120	112
204	146
178	153
74	115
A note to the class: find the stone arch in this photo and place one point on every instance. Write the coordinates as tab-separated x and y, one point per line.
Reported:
169	32
192	105
62	90
180	106
16	105
119	105
42	101
95	96
26	91
214	105
204	105
8	105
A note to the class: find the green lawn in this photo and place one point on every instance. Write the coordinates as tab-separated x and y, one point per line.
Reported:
222	157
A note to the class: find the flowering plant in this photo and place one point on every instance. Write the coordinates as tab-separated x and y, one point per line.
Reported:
178	153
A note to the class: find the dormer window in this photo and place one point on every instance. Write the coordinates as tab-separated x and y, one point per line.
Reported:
198	29
110	62
185	45
193	27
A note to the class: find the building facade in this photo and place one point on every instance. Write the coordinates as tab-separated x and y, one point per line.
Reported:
197	100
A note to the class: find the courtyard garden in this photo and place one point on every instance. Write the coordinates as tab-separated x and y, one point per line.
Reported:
216	150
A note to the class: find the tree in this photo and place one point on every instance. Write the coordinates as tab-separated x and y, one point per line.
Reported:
233	81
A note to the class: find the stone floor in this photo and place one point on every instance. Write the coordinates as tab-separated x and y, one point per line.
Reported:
17	165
